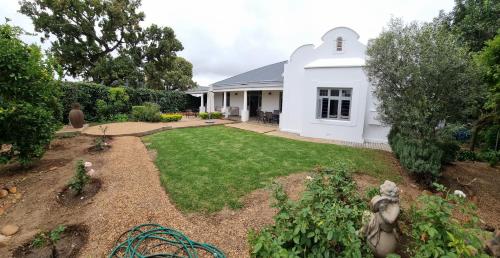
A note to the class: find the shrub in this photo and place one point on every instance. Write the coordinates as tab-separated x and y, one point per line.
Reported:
119	118
323	223
466	155
436	233
87	93
80	179
44	238
213	115
149	112
171	117
29	98
490	156
424	158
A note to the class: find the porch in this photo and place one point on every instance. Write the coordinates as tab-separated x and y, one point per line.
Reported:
263	105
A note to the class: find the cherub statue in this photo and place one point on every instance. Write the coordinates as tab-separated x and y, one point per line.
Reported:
380	231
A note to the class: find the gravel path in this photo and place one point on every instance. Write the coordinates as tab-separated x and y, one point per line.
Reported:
132	195
143	128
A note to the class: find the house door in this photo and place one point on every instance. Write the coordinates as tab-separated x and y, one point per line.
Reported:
254	105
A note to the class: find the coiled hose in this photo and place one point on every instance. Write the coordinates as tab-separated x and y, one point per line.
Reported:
153	240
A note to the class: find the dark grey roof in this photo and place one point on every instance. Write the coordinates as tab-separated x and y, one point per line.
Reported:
198	89
267	76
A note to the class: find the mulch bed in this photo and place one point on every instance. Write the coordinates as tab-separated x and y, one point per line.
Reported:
66	196
72	240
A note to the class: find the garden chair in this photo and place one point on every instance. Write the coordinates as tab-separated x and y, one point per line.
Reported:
276	116
260	117
269	117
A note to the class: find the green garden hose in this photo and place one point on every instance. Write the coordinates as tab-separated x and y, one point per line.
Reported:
153	240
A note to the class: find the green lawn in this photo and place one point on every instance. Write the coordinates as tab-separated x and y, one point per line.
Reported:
203	169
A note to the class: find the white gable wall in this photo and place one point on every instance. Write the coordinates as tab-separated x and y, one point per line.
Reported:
310	68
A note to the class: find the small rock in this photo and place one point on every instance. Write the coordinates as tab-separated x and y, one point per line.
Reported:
3	193
413	185
12	189
52	168
426	192
9	230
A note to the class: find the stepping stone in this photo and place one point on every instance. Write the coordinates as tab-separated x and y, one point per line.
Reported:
9	230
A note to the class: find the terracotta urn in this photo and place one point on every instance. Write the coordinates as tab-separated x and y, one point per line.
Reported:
76	117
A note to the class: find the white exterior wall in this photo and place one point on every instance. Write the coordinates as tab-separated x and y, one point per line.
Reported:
218	99
236	100
270	102
310	68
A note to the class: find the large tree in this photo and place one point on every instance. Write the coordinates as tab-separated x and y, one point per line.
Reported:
103	41
422	76
475	21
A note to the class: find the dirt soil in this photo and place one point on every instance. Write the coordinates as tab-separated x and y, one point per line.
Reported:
131	194
69	244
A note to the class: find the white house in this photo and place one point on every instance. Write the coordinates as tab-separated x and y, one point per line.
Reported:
321	91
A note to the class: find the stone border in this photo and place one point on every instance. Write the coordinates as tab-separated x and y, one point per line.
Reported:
137	134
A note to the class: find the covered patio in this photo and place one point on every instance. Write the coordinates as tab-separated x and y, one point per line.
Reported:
254	95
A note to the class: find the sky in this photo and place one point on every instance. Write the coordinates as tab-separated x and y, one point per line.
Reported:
222	38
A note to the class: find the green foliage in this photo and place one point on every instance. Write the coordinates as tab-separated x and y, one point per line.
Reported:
212	115
323	223
372	191
104	41
119	118
414	68
44	238
475	21
88	94
171	117
436	233
463	155
117	103
490	156
80	179
149	112
29	107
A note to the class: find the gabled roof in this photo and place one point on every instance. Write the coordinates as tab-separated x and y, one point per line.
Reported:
198	89
267	76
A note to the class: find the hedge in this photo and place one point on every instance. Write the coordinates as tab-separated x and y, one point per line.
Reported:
213	115
87	95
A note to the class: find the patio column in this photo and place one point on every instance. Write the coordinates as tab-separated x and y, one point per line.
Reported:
202	106
224	108
244	112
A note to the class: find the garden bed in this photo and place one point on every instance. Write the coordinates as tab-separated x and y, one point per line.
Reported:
132	194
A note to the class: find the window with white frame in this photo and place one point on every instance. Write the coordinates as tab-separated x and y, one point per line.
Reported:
334	103
339	44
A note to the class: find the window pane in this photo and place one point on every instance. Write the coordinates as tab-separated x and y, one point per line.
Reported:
334	105
324	108
345	108
323	92
334	93
346	93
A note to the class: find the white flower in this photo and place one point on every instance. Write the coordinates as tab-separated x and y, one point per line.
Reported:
92	173
309	178
88	164
459	193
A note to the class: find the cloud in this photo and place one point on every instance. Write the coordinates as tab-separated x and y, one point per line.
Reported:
226	37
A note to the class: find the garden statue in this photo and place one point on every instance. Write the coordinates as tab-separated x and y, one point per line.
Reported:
76	117
380	231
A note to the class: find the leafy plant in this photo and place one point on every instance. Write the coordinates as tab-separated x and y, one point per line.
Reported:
437	233
149	112
44	238
463	155
101	141
119	118
323	223
170	117
80	179
372	191
212	115
490	156
29	98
